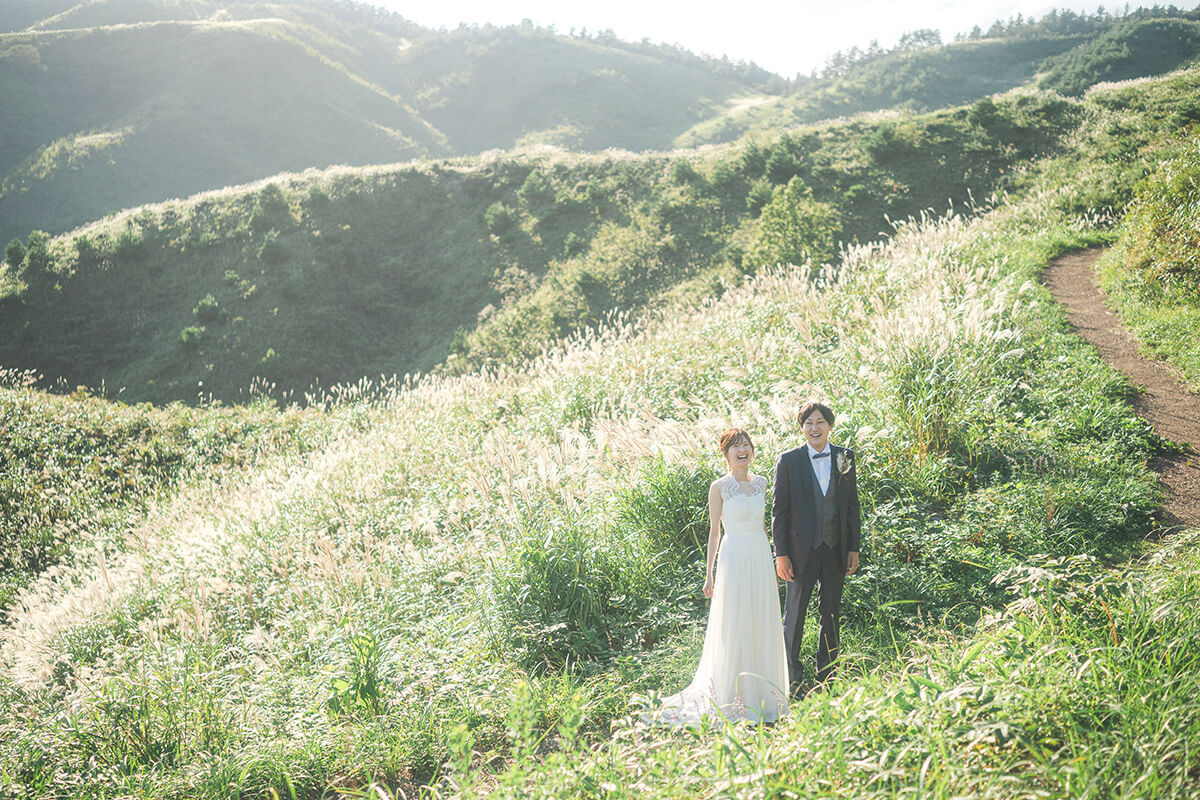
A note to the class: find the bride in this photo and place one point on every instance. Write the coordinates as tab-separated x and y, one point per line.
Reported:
743	669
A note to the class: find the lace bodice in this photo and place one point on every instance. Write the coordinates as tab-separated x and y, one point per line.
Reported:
743	504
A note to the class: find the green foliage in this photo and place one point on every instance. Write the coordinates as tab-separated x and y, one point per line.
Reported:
207	309
271	210
272	251
79	465
87	251
37	254
500	218
14	254
1128	50
1162	229
794	228
360	692
129	246
573	591
668	505
1153	275
191	336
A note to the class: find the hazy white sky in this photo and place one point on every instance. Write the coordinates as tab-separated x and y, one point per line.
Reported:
784	36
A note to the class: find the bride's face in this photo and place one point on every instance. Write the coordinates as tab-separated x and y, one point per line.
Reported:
740	454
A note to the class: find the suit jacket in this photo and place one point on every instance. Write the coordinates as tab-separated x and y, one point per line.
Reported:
794	514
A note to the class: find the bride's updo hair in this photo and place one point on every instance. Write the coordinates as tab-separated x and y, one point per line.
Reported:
733	436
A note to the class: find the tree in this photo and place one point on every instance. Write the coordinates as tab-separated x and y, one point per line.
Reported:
919	40
37	256
794	228
14	254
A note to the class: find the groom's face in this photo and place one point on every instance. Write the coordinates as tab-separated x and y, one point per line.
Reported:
816	430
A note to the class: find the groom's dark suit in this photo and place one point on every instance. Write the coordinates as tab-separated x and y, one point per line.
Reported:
817	531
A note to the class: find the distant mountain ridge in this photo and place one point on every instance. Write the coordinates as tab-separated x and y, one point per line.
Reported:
116	103
110	104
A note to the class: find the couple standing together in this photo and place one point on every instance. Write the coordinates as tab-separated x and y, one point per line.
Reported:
750	664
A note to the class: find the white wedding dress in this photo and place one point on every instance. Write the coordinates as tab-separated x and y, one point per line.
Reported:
743	669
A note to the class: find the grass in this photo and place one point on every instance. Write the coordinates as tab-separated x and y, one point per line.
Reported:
321	624
466	581
80	469
329	276
1151	276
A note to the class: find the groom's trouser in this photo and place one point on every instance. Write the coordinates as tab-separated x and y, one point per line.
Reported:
825	567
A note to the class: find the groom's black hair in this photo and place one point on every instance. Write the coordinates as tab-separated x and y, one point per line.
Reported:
810	406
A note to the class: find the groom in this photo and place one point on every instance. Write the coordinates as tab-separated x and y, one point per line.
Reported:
815	523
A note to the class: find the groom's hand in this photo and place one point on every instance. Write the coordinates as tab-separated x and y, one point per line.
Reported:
851	563
783	568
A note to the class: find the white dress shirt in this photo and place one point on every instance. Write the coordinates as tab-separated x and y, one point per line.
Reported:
822	467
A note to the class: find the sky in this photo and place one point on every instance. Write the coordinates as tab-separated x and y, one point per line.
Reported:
783	36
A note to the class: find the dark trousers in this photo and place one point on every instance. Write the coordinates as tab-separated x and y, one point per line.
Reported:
825	567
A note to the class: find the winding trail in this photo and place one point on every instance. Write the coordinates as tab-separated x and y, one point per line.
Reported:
1163	402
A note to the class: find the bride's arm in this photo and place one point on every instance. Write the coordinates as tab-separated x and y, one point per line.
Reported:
714	534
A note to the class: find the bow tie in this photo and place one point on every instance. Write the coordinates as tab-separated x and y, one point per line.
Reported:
821	455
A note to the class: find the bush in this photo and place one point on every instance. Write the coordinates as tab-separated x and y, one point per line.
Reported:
208	309
536	190
271	209
1162	229
191	335
500	219
669	506
37	256
14	254
572	590
87	252
129	244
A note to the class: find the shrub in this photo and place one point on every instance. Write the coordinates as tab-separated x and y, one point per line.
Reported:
1162	229
191	335
129	244
536	190
500	218
271	209
87	252
683	173
208	309
37	256
668	506
14	254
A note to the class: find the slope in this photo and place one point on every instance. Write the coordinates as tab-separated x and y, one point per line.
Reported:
466	586
920	80
349	273
114	117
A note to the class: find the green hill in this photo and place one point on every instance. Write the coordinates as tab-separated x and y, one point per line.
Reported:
114	104
113	117
920	80
329	276
1128	50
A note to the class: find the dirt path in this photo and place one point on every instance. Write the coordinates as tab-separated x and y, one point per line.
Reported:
1173	412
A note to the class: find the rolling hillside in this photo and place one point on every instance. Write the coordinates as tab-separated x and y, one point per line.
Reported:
329	276
113	117
120	103
115	103
470	580
960	72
